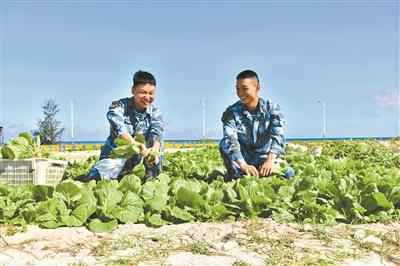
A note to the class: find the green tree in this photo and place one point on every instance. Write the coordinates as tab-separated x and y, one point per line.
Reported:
50	130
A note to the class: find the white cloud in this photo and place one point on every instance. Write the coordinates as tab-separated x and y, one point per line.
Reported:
388	99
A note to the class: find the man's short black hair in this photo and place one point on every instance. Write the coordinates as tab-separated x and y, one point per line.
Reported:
247	74
143	78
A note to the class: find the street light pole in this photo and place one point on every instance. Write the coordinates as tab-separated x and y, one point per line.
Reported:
323	105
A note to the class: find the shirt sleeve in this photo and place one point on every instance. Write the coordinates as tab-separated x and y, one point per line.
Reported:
278	124
115	116
230	143
156	126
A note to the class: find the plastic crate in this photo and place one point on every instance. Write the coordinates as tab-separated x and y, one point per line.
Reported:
35	171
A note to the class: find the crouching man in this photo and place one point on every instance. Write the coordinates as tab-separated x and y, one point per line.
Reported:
253	131
129	117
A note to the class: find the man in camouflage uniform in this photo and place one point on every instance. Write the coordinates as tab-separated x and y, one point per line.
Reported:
253	131
128	117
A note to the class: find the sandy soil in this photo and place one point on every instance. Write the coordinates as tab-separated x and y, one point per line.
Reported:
253	242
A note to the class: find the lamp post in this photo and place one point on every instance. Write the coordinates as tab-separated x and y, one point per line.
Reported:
323	105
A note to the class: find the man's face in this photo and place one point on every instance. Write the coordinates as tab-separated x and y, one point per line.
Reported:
144	95
247	90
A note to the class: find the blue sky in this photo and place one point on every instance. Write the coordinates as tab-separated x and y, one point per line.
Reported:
345	53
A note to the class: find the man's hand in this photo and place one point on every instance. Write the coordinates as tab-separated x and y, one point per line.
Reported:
131	140
266	167
144	151
248	169
153	156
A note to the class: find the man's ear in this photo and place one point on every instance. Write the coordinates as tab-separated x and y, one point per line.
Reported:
133	90
258	86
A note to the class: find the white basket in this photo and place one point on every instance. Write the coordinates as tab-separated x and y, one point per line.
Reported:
35	171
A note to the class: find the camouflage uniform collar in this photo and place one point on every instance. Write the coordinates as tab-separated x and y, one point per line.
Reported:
132	105
262	107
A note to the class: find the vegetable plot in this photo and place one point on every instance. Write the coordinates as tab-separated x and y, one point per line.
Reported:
350	182
21	147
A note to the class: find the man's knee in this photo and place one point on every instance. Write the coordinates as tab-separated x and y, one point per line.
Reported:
289	173
220	146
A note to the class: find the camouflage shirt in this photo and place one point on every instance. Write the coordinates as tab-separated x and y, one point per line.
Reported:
124	117
252	135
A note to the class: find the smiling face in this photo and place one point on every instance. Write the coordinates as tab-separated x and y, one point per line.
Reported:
247	89
144	95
